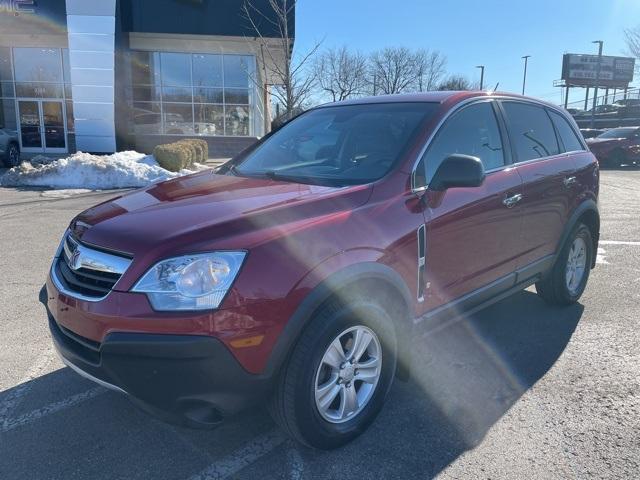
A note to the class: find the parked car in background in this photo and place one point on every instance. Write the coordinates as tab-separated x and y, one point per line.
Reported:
9	147
592	132
298	274
616	146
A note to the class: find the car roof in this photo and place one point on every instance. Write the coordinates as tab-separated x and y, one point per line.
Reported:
434	97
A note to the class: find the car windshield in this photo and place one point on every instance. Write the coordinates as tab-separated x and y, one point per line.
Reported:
341	145
624	132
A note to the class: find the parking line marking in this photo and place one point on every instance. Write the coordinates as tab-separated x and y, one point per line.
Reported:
49	409
600	256
15	396
616	242
241	458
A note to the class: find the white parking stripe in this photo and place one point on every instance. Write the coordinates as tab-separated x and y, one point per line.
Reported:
241	458
14	397
616	242
600	257
9	424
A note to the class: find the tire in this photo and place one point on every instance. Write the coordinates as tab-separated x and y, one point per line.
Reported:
294	406
12	155
559	287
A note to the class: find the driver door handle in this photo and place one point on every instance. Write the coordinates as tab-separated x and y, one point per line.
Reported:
511	201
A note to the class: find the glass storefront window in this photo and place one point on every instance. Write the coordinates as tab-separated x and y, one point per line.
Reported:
5	64
201	94
71	127
177	94
207	70
38	90
145	68
237	120
8	114
37	65
178	118
237	95
208	95
209	119
175	69
6	90
236	71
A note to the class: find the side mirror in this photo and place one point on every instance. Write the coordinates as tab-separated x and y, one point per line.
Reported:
458	171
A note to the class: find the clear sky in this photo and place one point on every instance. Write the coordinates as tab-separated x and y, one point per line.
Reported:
494	33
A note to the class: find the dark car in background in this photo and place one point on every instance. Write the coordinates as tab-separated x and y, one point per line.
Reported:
617	146
592	132
9	148
298	274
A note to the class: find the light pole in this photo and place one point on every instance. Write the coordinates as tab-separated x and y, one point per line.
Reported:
524	79
481	67
595	90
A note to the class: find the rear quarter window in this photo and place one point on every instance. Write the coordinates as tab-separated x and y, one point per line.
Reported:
567	134
531	131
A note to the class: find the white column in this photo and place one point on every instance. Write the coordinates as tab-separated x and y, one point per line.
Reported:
91	30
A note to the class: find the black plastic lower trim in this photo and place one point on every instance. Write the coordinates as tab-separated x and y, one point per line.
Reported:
186	379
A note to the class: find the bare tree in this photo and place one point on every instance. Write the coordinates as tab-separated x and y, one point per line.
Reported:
456	82
632	37
430	67
392	70
341	73
289	74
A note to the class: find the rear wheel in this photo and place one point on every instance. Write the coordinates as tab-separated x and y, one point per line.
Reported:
567	280
338	375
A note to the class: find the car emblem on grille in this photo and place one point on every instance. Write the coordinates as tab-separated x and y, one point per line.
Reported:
74	260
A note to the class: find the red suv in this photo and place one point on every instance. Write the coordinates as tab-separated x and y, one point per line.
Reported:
617	146
298	273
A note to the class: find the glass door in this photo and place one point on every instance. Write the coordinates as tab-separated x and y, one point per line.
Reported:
42	126
55	140
30	132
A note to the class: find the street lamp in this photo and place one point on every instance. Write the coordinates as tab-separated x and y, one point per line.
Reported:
481	67
524	79
595	90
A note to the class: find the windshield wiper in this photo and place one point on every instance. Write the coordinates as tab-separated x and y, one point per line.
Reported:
274	175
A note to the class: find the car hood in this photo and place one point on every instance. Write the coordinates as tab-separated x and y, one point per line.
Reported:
206	210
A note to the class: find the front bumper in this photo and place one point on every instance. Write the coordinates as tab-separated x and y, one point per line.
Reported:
186	379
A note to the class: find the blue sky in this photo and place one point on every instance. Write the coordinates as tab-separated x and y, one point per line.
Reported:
496	33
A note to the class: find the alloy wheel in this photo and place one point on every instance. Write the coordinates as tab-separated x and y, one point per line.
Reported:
348	374
576	265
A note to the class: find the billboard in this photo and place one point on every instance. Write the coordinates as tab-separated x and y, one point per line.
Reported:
581	70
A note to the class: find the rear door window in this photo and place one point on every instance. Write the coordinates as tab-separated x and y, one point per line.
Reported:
531	131
472	131
568	136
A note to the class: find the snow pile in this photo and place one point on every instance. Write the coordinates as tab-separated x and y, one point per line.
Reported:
96	172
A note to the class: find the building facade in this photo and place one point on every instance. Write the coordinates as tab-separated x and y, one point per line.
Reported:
107	75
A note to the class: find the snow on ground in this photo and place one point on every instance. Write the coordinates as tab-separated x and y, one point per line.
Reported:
92	172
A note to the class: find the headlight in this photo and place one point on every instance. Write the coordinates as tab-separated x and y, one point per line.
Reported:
191	282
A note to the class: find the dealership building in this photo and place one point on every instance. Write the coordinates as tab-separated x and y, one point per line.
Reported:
107	75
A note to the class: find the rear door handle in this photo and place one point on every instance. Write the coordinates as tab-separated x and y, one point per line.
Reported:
511	201
569	181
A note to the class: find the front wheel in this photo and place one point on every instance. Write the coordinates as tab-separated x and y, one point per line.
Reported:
338	375
567	280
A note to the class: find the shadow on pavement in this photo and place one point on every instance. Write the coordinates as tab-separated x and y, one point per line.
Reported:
465	378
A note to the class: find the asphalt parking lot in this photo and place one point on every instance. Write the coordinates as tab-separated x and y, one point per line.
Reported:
520	390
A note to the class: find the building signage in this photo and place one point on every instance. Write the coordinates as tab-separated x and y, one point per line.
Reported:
17	7
582	70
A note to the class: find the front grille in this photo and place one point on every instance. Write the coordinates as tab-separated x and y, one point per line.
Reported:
88	272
